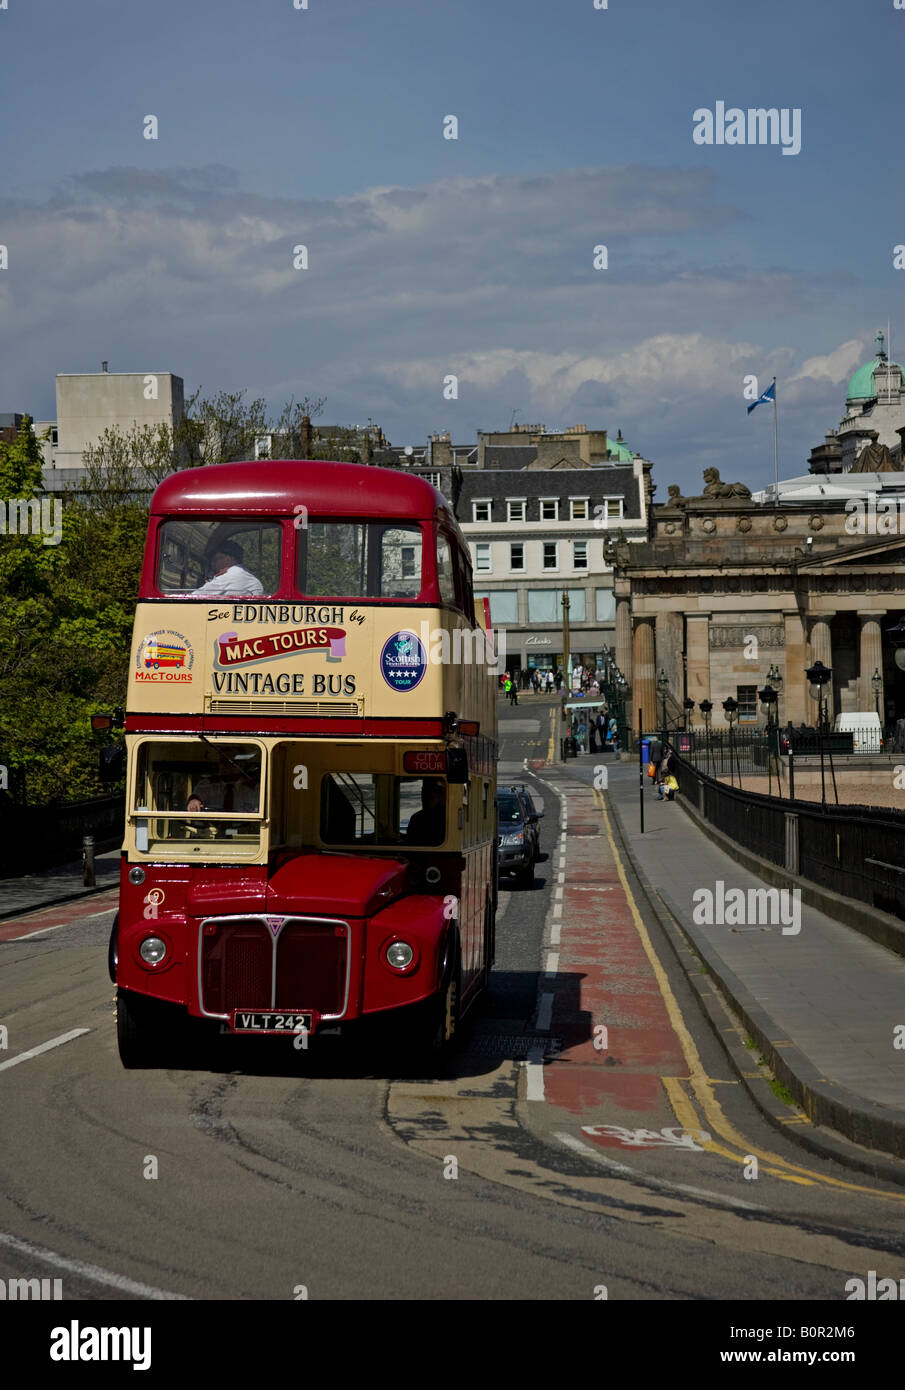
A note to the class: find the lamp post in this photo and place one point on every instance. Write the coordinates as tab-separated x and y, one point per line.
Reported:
876	681
706	708
566	643
775	678
689	706
819	676
730	709
768	698
663	687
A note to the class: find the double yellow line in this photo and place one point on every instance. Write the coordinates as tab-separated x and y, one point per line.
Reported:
701	1084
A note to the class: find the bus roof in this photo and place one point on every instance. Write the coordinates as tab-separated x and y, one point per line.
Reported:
278	486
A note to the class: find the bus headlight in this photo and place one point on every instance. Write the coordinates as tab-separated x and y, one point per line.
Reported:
400	955
152	950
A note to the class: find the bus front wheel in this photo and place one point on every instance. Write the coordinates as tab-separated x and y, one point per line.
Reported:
136	1036
443	1012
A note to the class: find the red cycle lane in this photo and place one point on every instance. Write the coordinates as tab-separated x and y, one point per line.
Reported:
604	977
60	916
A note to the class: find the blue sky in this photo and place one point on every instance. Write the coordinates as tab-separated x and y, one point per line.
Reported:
428	256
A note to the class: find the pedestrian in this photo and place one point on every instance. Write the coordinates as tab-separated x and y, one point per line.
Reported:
513	692
666	779
557	679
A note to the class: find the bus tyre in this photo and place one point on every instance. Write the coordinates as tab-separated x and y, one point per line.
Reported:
444	1010
113	949
490	941
139	1043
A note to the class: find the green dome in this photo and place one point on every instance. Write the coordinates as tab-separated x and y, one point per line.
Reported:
861	387
619	451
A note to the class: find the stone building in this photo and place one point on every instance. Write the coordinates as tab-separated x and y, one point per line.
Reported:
727	586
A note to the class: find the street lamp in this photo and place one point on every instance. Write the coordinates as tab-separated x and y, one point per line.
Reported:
876	681
818	677
689	706
775	678
768	697
663	688
706	708
730	709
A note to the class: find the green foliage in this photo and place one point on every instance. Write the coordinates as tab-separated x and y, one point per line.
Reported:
66	610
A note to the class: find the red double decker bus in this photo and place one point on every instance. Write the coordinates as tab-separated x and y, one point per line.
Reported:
310	826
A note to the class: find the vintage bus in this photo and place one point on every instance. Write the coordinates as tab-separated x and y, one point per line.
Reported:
310	833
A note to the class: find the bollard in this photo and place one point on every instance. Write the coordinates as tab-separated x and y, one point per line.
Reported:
88	861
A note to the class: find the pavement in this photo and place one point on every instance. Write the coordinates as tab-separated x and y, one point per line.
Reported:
824	1005
51	887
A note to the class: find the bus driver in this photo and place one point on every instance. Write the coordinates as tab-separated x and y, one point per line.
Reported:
230	578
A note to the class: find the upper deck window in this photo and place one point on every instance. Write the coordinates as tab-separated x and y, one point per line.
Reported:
218	559
359	559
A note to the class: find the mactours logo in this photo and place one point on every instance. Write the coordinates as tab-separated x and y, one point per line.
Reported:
754	907
757	126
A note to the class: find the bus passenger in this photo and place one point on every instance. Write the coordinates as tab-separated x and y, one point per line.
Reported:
428	826
230	576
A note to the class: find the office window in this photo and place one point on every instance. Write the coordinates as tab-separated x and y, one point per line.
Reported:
612	508
503	604
549	509
517	555
551	555
747	703
578	508
482	557
545	605
576	606
433	478
579	555
480	511
54	435
515	509
605	605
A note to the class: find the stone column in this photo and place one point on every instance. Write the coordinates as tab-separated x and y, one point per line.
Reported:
644	685
697	649
871	660
794	700
821	649
624	638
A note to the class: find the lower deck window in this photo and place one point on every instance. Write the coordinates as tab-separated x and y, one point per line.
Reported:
380	809
188	795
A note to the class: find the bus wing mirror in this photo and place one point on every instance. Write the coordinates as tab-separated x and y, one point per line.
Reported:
456	766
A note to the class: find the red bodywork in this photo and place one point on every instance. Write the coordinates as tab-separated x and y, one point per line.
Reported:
333	915
341	912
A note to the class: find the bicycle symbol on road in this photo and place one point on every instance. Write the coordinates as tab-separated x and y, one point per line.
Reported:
674	1138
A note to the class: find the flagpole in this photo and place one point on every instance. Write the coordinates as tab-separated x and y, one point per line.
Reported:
775	449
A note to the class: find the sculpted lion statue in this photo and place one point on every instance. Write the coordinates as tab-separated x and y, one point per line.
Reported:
716	488
675	496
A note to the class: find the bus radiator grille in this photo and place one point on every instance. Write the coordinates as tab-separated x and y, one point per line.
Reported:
237	967
311	967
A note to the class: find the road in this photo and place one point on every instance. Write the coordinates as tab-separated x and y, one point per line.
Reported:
521	1173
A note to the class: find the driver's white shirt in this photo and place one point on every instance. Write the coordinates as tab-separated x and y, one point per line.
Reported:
235	581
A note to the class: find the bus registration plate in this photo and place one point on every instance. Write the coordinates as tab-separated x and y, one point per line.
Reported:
250	1021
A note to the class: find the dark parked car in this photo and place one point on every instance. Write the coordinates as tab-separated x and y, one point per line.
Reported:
534	816
516	840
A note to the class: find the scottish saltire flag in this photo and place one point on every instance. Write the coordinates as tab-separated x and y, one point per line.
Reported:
769	395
